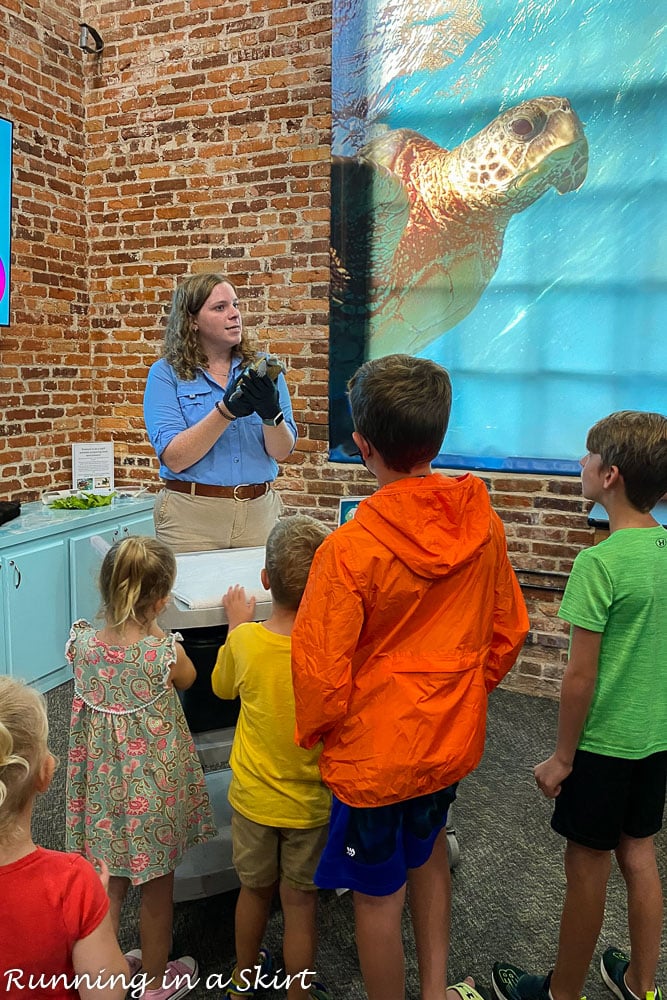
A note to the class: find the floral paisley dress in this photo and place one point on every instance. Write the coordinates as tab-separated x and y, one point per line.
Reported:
136	795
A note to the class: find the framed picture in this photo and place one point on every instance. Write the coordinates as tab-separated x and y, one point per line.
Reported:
347	508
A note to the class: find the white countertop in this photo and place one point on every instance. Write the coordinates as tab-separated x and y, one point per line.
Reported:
203	577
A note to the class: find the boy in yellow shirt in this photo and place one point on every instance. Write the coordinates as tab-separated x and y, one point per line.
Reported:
280	806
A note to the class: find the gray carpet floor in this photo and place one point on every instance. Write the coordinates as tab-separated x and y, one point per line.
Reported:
507	887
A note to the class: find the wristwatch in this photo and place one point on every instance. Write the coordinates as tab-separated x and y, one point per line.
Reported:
275	421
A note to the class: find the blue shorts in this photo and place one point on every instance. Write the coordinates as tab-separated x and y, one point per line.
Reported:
605	797
370	849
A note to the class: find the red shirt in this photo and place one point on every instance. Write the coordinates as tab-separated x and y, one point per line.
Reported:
48	902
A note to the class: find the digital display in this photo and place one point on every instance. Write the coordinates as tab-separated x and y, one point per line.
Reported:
497	205
5	216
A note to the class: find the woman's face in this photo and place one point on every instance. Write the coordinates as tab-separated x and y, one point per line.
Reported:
218	322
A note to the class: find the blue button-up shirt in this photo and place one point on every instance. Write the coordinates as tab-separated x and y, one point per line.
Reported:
171	405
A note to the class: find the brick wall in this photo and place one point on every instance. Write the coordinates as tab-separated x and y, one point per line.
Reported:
199	139
208	134
45	364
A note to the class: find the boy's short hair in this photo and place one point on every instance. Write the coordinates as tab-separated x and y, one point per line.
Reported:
290	548
401	405
636	443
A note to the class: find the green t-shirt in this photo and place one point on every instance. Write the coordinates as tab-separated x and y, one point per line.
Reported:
619	588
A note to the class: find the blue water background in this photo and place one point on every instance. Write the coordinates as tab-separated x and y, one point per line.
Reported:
573	324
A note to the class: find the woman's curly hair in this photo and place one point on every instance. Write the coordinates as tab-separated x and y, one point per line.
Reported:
182	347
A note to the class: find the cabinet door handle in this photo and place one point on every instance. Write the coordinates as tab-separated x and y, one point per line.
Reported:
116	534
126	532
17	574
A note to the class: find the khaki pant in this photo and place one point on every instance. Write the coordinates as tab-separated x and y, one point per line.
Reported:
199	524
264	854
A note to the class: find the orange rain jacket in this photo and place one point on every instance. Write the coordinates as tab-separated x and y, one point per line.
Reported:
411	615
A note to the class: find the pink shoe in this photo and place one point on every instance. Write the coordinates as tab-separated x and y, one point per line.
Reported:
180	977
133	959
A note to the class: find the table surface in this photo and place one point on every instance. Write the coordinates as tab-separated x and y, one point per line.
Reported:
203	577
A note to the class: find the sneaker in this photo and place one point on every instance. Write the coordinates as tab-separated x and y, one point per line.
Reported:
512	983
133	959
613	965
236	989
180	977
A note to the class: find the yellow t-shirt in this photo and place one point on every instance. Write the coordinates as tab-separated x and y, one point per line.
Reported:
274	782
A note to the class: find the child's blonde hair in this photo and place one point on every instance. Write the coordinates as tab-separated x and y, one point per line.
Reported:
290	548
136	573
24	729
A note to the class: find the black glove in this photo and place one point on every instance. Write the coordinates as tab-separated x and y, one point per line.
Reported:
236	399
262	392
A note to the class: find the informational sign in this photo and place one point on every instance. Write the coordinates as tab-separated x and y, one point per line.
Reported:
498	206
92	466
5	217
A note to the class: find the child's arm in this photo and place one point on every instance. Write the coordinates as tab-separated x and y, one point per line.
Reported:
239	608
576	695
98	959
182	674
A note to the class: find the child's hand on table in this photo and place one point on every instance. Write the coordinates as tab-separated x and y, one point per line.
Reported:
239	608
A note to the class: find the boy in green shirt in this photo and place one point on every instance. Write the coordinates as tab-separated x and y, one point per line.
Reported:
608	771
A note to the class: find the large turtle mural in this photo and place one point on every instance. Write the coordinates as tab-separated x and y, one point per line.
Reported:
417	230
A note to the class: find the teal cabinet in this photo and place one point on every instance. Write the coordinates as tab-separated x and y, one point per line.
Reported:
35	603
86	559
48	579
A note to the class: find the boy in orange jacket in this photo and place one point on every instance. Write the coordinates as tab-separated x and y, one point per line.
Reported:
411	616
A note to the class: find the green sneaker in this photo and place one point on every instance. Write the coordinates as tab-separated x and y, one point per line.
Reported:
241	990
512	983
613	965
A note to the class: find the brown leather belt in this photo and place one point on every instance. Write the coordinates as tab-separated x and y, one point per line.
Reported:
250	491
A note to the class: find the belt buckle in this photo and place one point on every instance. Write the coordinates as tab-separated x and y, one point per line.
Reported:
240	486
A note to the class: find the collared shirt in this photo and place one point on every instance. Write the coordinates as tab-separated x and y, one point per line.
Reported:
171	405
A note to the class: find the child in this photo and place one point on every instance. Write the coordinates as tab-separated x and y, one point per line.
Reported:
135	789
411	616
59	895
607	773
280	806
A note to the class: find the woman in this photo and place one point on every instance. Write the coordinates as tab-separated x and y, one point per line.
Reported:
218	431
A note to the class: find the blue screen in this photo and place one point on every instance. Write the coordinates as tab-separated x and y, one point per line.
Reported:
5	216
498	206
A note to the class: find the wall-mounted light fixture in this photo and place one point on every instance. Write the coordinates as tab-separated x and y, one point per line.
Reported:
86	30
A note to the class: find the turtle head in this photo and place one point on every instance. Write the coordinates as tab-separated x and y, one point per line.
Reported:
523	152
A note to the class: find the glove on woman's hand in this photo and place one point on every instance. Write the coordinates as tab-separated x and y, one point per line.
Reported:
236	399
261	391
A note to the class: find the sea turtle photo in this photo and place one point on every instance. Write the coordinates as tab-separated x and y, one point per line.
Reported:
417	230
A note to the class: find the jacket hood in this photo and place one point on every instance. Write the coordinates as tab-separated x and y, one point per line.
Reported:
433	524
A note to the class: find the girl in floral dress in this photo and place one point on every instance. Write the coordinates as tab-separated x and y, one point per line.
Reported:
136	796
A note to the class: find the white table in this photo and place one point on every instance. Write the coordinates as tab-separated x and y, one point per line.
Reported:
203	577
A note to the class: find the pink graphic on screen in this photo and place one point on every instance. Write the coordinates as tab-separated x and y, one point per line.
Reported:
2	280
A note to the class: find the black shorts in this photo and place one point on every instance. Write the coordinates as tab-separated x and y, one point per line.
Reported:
605	797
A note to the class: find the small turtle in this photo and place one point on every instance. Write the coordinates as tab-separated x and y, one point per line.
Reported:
269	365
417	230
